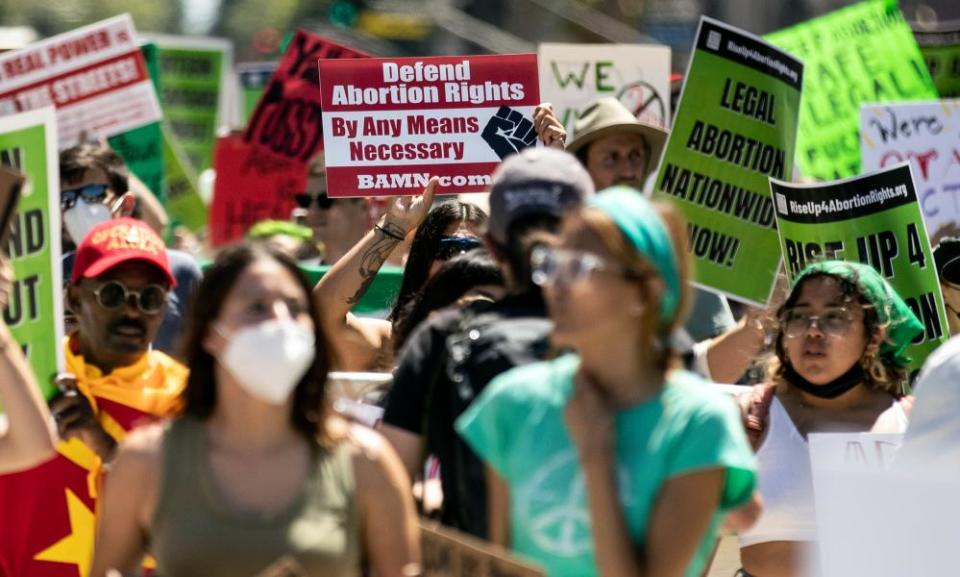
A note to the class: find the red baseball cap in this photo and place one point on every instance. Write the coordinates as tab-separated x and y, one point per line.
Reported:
119	241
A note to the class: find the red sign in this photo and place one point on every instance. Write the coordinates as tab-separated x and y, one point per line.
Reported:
390	124
286	120
251	185
259	171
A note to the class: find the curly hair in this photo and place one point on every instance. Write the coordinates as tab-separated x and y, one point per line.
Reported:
879	372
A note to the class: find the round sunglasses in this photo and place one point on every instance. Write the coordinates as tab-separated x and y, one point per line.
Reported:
113	295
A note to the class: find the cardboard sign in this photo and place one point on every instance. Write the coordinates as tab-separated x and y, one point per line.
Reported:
390	124
95	76
253	77
862	53
193	80
735	127
251	186
872	219
287	120
928	135
574	75
11	186
35	311
450	553
941	51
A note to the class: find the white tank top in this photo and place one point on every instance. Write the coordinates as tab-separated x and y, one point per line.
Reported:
785	482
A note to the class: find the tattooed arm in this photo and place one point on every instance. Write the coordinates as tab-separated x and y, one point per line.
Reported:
359	343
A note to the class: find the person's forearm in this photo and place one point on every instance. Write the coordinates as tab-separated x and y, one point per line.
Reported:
152	210
615	553
31	436
349	278
729	355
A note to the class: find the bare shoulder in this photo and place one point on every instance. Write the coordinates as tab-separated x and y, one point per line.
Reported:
366	444
141	452
375	463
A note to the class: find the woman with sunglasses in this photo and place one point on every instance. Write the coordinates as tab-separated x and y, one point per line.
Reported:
257	476
609	460
838	364
364	344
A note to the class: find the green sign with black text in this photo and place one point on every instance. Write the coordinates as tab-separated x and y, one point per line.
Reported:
735	127
28	143
872	219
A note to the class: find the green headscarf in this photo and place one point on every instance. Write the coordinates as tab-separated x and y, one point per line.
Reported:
269	228
902	325
636	217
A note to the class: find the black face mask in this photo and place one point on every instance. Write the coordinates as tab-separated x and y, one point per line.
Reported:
831	390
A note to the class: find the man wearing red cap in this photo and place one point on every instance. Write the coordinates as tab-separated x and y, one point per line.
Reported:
118	291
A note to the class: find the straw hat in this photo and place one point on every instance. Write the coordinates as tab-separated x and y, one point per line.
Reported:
607	116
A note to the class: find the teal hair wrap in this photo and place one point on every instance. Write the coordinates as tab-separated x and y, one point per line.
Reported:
638	220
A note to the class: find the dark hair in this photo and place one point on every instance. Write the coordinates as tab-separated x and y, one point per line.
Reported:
77	160
883	375
523	235
426	242
200	395
455	278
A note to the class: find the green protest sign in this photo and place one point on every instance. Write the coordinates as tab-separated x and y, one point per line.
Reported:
941	51
253	78
193	73
735	126
142	148
28	143
874	219
184	204
862	53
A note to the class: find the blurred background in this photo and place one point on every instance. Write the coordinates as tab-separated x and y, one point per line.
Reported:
404	27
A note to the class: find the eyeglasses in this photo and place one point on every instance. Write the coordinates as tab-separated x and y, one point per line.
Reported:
553	265
90	194
832	322
451	246
113	295
304	200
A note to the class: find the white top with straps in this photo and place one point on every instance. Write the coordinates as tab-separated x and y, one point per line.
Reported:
785	481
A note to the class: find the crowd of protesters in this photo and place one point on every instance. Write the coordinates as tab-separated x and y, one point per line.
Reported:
552	392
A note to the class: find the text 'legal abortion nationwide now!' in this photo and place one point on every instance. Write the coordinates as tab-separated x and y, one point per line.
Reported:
391	124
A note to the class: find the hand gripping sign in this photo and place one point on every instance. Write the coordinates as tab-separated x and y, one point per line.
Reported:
391	124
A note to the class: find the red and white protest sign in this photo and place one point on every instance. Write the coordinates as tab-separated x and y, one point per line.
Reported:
390	124
95	76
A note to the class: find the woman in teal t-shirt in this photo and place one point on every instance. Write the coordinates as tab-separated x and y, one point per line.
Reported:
611	462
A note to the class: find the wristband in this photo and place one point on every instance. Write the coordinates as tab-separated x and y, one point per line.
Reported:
389	233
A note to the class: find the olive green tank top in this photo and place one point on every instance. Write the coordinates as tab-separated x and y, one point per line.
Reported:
196	533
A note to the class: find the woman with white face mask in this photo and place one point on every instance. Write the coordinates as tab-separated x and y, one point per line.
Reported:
256	476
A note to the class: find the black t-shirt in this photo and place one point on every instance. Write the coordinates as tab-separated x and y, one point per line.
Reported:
422	401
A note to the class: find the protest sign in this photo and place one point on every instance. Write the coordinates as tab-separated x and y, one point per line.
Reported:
872	219
450	553
390	124
862	53
141	148
253	78
183	201
574	75
35	310
941	51
94	75
928	135
287	120
193	80
735	126
251	186
258	174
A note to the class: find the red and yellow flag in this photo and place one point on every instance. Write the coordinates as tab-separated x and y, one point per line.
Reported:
47	514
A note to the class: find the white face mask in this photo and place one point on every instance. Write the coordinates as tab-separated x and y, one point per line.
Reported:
81	217
269	359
